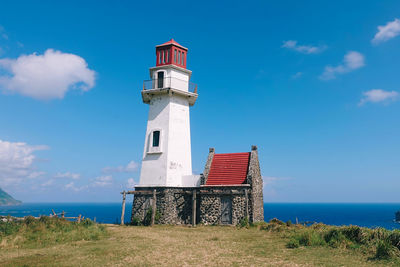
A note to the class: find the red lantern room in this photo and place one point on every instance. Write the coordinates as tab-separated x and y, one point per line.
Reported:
171	53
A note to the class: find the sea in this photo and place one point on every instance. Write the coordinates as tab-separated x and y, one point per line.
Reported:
370	215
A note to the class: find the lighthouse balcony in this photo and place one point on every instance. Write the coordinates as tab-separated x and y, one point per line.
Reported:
169	85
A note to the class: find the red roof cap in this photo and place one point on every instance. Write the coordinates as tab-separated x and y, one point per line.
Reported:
229	169
172	42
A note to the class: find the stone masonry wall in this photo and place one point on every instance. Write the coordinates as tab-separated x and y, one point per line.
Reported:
254	178
174	205
210	157
210	204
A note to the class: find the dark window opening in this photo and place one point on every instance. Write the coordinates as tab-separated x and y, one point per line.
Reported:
160	79
156	138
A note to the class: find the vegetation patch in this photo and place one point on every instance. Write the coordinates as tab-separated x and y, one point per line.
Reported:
45	231
379	243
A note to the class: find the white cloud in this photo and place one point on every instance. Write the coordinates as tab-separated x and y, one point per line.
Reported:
297	75
46	76
103	181
16	162
68	175
71	186
378	95
387	32
48	183
130	167
305	49
37	174
131	183
352	60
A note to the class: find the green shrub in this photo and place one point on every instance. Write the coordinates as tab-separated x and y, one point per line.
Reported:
289	223
87	222
384	250
136	221
394	238
147	218
244	223
293	243
310	238
354	233
336	239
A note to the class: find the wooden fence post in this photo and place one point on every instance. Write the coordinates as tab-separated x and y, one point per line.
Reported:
153	208
123	208
194	208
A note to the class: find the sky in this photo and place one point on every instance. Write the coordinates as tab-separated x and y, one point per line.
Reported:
314	84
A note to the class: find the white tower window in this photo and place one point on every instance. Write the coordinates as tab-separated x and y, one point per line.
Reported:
156	138
155	142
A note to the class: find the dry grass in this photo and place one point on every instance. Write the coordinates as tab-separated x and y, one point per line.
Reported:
184	246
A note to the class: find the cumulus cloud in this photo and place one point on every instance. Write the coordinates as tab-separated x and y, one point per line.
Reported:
71	186
47	76
387	32
305	49
352	60
131	183
103	181
68	175
17	162
130	167
378	96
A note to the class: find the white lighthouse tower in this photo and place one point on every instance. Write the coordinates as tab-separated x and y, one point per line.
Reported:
167	158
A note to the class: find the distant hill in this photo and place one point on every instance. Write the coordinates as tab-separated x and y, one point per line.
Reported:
7	200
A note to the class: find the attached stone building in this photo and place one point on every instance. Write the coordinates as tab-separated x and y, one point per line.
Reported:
231	189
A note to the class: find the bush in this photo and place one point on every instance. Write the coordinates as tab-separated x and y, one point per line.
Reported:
136	221
244	223
336	239
289	223
293	243
384	250
354	233
310	238
147	218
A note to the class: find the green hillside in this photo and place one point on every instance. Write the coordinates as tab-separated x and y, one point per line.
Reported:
6	199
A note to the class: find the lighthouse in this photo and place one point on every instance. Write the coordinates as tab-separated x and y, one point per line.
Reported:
230	188
167	158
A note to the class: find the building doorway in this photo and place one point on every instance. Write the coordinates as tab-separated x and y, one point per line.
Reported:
226	210
160	79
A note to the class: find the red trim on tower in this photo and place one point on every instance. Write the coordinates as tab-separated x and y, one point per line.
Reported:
229	169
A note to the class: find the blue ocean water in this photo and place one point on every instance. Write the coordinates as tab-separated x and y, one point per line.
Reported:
367	215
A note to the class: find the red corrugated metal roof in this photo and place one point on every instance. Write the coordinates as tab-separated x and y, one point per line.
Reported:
172	41
228	169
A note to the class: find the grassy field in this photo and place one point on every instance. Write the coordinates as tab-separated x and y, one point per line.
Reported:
176	246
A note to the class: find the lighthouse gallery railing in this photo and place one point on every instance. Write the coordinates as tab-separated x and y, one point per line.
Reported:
170	82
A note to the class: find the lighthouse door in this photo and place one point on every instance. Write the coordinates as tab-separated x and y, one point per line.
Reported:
226	210
160	79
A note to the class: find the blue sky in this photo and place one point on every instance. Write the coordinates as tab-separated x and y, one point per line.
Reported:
314	85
